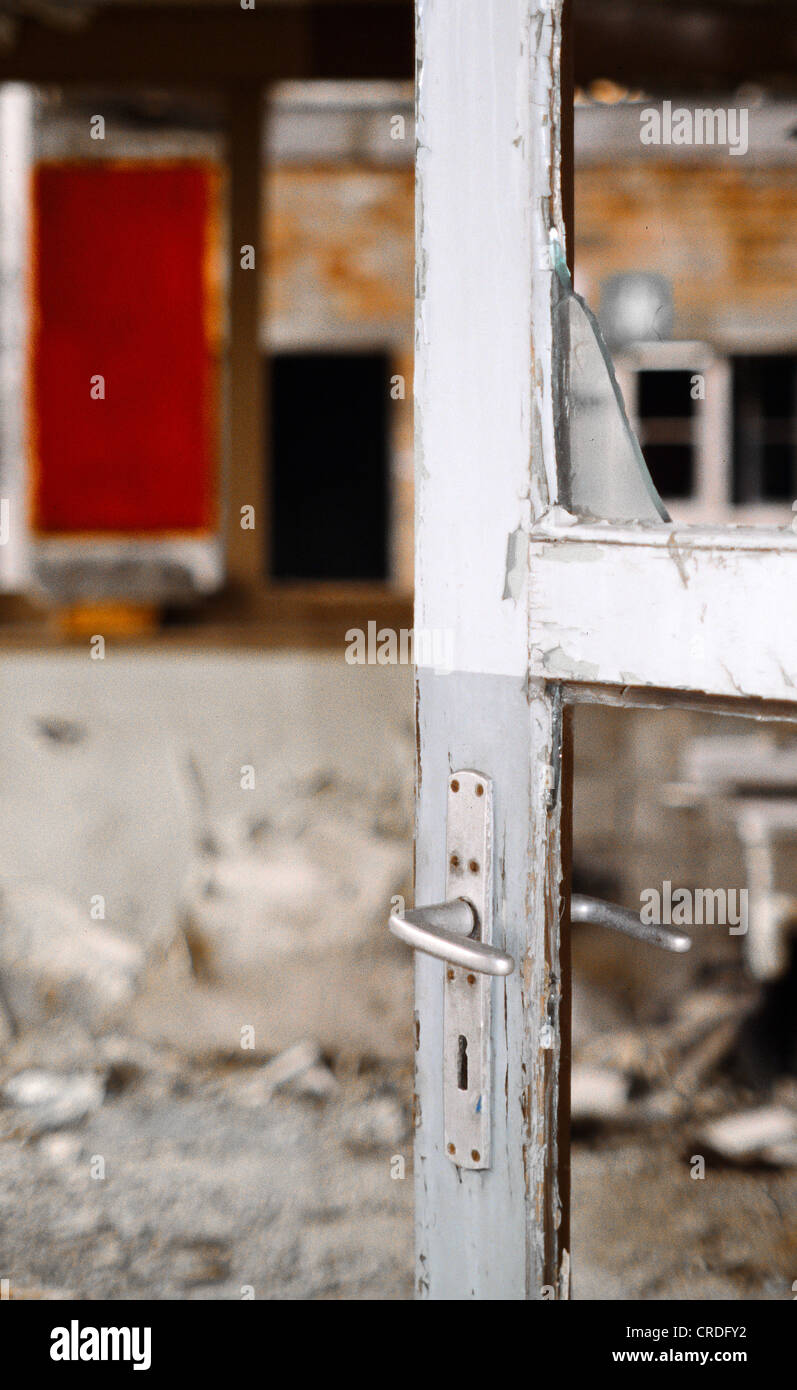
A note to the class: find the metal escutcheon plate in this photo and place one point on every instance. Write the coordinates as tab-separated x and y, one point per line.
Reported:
467	1053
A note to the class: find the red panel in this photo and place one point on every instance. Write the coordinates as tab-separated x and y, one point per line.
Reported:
121	291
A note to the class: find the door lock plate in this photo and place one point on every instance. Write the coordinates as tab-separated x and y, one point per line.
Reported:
467	1050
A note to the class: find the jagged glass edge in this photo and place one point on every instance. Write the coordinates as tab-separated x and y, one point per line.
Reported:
563	276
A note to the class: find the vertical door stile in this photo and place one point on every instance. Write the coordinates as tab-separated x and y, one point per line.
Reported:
488	199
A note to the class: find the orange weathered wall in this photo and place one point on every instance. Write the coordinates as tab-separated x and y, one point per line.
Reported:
725	236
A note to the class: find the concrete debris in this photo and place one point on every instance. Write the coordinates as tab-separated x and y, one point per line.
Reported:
134	1055
316	1082
767	1134
668	1066
705	1056
52	1101
195	1262
203	1198
379	1124
639	1052
299	1067
54	960
61	1149
677	1056
598	1093
288	1065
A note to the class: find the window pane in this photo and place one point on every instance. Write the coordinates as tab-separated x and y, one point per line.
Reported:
666	395
671	468
666	411
765	428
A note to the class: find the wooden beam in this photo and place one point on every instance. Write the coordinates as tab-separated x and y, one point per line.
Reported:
246	462
688	48
200	47
649	45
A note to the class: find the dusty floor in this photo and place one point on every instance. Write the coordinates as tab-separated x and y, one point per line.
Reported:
644	1229
214	1189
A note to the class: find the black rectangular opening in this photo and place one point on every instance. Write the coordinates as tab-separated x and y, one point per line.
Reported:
329	465
462	1063
765	428
666	410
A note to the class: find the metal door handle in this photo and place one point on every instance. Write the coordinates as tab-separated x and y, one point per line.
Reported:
460	932
603	914
445	930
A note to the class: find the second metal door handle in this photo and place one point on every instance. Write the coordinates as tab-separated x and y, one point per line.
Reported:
603	914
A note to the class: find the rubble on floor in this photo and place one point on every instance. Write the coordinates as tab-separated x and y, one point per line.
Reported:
55	960
50	1100
767	1134
225	1180
236	1175
679	1072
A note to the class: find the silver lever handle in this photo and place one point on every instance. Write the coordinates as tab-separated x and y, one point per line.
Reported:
603	914
445	930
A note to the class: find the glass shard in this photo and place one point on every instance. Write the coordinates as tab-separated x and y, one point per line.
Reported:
603	475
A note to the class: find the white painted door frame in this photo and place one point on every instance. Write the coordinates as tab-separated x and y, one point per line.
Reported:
488	196
540	614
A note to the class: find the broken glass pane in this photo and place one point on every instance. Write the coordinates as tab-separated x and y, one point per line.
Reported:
605	474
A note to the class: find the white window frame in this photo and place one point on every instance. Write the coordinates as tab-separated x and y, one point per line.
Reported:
711	502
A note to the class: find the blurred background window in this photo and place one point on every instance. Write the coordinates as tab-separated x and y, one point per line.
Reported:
329	465
765	428
665	410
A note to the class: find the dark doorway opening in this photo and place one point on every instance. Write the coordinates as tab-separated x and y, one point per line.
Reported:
329	465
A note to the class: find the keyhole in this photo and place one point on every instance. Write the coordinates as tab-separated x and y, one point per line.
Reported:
462	1064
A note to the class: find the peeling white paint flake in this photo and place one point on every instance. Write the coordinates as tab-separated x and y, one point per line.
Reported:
517	563
679	560
556	518
559	662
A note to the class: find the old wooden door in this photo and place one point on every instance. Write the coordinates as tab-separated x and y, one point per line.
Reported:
546	559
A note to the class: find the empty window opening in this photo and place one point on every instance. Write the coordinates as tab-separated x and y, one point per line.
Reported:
764	428
329	465
666	414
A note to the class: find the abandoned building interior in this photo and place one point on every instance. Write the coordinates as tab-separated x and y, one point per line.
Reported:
207	289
